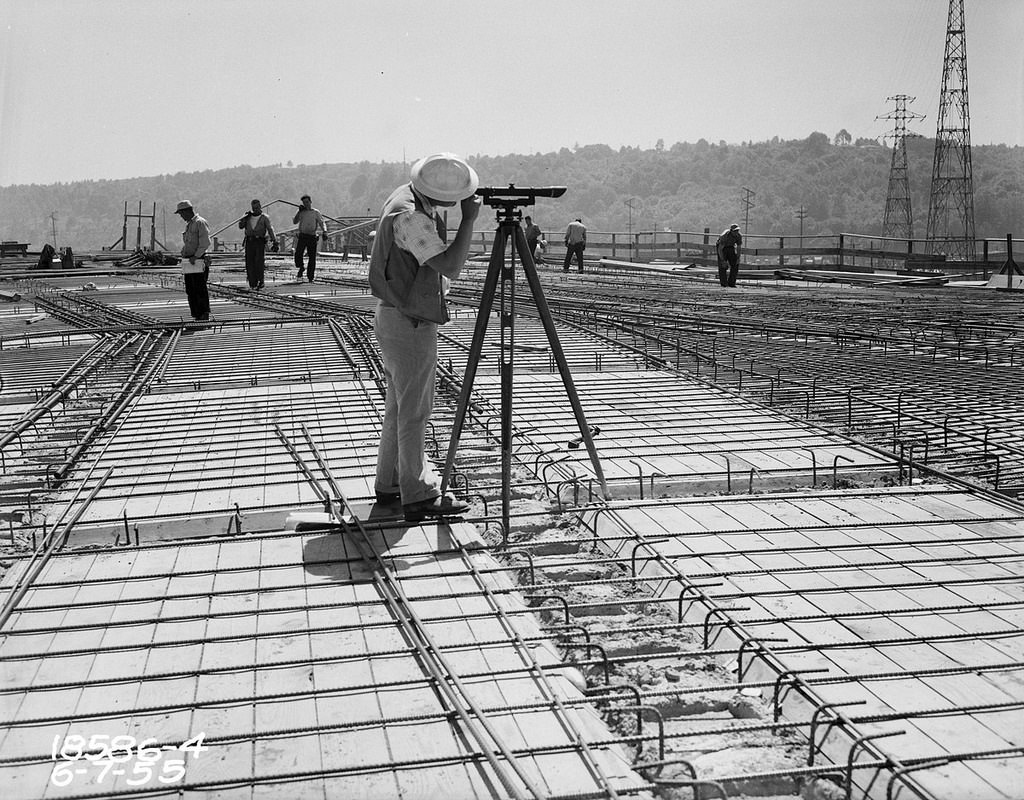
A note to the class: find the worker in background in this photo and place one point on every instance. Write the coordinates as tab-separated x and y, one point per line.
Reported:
311	228
195	266
411	265
257	229
46	256
534	236
728	255
575	243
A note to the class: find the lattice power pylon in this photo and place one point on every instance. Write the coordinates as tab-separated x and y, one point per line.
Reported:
899	218
951	205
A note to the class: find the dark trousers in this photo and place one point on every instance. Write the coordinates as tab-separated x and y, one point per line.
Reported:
532	244
574	250
728	266
255	260
198	296
306	243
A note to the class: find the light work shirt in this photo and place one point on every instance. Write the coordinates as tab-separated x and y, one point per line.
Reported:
576	233
259	227
195	239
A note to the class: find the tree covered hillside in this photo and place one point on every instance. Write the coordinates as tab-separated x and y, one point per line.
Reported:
684	187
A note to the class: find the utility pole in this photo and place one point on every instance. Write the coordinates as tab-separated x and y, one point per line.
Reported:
747	205
951	204
801	213
53	226
898	221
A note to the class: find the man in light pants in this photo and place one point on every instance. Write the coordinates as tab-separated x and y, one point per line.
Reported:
311	226
410	267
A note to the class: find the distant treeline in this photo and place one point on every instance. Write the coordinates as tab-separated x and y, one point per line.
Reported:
840	183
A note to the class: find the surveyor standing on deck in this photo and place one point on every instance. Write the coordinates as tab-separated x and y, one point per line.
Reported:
410	267
311	227
728	257
258	229
195	241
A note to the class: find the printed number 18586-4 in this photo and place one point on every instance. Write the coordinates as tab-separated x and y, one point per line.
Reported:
99	757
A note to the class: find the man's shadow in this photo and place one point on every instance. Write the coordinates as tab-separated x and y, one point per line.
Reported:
337	556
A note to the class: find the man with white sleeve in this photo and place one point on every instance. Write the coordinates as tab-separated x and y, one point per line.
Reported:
411	265
195	241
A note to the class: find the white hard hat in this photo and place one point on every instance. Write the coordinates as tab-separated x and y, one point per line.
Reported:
444	177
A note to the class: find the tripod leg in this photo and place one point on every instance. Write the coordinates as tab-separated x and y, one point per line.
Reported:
563	366
475	349
508	323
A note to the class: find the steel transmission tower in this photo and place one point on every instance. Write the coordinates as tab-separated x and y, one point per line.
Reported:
747	205
951	205
899	219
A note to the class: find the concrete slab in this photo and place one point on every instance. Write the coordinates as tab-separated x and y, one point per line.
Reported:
222	643
853	648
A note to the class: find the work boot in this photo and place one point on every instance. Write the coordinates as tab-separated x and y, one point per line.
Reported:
434	508
387	498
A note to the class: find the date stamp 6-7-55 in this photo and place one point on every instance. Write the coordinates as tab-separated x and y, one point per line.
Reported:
99	758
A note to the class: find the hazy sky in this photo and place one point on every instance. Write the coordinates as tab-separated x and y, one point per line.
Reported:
122	88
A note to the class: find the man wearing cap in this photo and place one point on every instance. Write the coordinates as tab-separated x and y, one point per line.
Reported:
411	264
728	258
311	226
257	229
195	241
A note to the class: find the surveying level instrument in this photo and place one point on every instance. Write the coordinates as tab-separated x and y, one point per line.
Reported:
502	267
499	198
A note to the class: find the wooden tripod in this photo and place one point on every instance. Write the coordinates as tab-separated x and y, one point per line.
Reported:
501	268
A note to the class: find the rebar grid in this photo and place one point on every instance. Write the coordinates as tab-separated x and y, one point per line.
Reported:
208	642
358	656
638	346
779	368
968	670
656	427
675	329
735	627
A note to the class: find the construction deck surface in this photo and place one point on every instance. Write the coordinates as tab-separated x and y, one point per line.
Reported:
767	457
281	652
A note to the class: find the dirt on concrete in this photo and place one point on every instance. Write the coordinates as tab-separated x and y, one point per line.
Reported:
711	729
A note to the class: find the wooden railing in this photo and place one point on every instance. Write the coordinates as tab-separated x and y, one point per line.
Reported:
847	252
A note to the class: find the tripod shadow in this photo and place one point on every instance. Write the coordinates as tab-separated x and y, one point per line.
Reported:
333	557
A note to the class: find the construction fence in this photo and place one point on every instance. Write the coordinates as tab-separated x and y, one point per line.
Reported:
847	252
